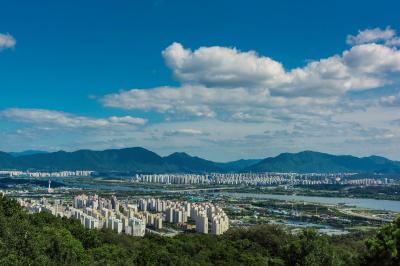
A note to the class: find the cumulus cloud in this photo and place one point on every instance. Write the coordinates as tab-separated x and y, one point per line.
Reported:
221	66
229	84
386	36
6	41
66	120
224	67
373	60
328	77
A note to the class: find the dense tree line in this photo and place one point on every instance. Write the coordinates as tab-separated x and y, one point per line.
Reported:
43	239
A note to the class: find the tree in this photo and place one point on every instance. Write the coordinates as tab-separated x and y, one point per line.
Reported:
62	247
384	248
311	249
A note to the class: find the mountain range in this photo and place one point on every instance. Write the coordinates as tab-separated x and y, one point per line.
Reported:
317	162
27	152
140	160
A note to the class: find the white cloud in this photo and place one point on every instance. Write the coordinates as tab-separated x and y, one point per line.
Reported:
386	36
228	84
184	132
390	100
190	131
222	67
56	118
7	41
325	78
373	60
226	104
127	120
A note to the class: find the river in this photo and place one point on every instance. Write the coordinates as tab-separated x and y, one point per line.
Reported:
388	205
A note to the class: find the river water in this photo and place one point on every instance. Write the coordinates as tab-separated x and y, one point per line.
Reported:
388	205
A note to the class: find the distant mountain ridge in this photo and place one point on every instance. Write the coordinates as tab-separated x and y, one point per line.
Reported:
27	152
318	162
140	160
239	165
188	163
135	159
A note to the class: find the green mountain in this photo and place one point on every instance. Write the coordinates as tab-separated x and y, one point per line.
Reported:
187	163
6	160
237	166
135	159
27	152
140	160
317	162
131	159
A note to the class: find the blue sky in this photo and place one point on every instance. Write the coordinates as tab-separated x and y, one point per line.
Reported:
218	79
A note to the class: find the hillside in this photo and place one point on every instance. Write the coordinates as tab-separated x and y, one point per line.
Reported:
189	163
237	166
135	159
27	152
130	159
317	162
140	160
6	161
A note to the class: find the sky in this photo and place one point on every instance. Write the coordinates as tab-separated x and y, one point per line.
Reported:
222	80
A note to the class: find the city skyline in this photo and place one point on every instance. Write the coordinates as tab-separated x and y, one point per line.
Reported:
222	86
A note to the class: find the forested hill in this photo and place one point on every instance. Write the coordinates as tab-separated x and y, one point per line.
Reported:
43	239
140	160
317	162
135	159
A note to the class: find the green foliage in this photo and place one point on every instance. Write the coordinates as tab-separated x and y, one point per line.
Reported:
311	249
384	248
43	239
60	246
